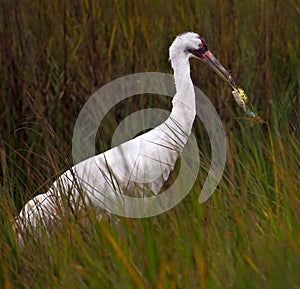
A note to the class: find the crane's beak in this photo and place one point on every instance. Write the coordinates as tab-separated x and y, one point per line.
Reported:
213	62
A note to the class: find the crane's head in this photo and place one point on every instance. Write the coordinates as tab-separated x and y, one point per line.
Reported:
189	45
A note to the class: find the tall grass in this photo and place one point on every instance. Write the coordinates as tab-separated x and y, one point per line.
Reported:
55	54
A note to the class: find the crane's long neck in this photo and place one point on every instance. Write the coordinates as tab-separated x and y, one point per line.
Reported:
184	106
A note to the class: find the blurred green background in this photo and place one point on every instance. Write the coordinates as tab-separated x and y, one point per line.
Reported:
55	54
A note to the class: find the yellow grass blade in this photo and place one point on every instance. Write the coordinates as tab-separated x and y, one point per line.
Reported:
162	274
251	263
200	267
132	271
112	40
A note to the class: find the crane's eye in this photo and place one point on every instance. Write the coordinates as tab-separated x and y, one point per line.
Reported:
200	51
203	45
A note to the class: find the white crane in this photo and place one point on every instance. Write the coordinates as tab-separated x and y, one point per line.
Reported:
141	164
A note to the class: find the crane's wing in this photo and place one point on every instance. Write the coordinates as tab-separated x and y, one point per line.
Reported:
136	166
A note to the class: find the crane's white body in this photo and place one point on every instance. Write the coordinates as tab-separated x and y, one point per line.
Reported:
138	165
